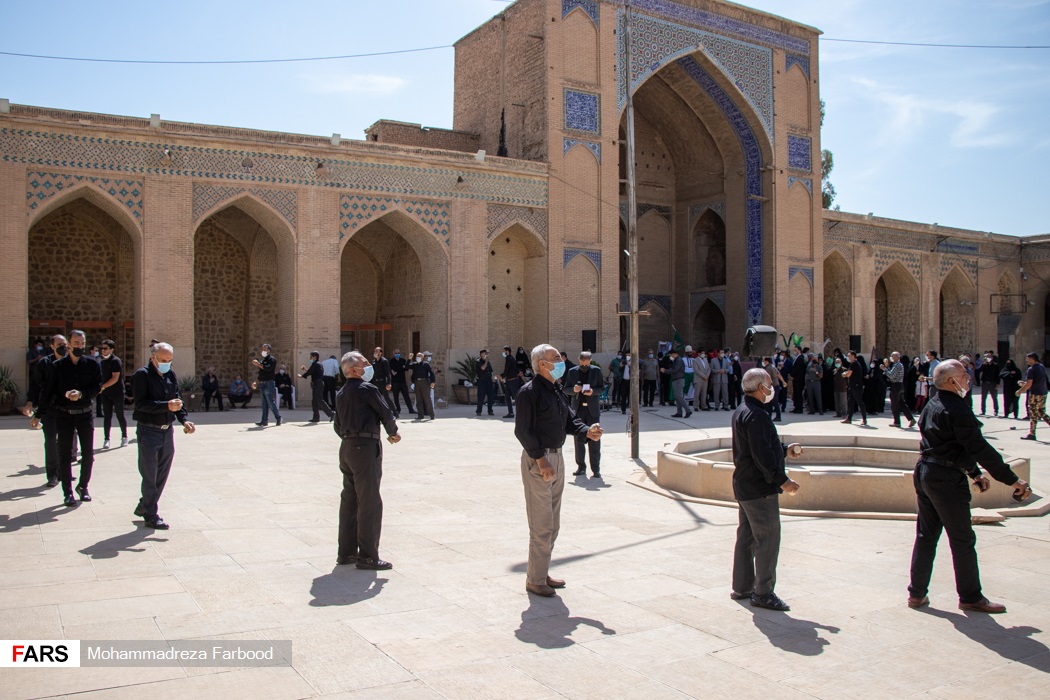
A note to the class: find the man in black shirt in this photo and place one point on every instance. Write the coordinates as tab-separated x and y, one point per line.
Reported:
582	382
423	378
1036	386
267	369
511	378
544	418
210	387
759	477
112	393
315	373
486	389
952	446
155	389
41	380
398	383
359	409
70	395
381	376
854	388
988	376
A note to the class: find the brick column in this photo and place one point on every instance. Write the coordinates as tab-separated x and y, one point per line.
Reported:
317	297
14	274
864	281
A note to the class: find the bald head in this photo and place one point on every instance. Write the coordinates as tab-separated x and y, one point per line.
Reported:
946	371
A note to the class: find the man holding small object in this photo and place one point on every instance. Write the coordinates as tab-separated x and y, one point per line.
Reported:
580	382
952	446
544	418
759	477
155	389
267	370
315	373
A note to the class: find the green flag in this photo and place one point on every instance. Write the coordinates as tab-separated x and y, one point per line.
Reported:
678	344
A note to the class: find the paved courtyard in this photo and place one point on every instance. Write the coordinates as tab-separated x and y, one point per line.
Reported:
251	553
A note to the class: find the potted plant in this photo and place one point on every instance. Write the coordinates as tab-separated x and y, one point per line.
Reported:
468	369
190	389
8	390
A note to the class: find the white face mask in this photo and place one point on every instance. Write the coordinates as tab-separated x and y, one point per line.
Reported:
265	353
961	391
369	373
768	397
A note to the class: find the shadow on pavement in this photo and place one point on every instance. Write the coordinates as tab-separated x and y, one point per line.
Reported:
553	631
345	586
1012	643
793	634
40	517
128	542
30	470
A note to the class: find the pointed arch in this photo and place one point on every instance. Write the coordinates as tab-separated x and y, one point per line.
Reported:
89	192
356	211
580	47
709	250
958	314
654	254
517	275
838	300
709	326
654	327
897	311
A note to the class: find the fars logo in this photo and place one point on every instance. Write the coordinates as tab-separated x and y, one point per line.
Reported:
33	653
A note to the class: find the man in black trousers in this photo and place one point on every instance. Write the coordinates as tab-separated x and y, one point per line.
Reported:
582	384
69	397
398	383
42	373
486	389
511	378
381	376
854	389
315	373
359	410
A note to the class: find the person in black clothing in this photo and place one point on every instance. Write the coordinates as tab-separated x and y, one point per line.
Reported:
75	382
988	377
42	373
1011	378
381	376
359	409
112	393
486	388
855	389
581	384
155	389
759	477
315	373
544	418
210	386
267	369
665	365
952	447
399	384
423	378
282	382
511	378
798	381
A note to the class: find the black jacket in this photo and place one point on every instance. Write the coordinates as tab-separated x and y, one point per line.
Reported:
315	373
152	391
422	371
587	407
85	376
381	372
510	368
758	453
359	409
543	418
951	436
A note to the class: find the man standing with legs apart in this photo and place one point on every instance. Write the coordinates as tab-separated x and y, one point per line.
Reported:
988	376
359	409
315	373
267	369
952	446
42	373
1036	386
895	376
423	379
758	479
678	385
580	382
398	383
486	389
157	403
112	393
544	418
855	387
701	377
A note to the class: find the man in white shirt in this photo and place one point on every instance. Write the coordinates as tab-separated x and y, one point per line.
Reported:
331	370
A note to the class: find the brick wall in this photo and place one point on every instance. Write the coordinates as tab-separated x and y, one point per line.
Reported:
220	303
404	134
838	301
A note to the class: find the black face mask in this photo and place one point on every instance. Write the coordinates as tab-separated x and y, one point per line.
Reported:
61	350
78	352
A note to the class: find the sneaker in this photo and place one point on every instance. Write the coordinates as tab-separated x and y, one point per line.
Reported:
105	444
1029	436
83	492
123	442
261	424
769	601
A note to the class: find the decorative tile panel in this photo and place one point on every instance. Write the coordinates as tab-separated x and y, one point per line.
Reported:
588	6
592	146
62	150
595	256
696	17
800	61
207	197
697	210
805	181
582	111
643	209
355	211
800	150
697	299
885	257
968	267
806	272
753	178
655	43
41	186
501	217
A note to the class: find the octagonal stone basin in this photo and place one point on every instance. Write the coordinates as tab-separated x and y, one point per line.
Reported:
838	475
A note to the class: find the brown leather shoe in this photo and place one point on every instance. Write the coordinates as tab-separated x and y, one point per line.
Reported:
540	589
555	582
918	602
984	605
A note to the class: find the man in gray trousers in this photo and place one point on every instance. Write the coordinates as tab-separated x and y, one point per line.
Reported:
678	385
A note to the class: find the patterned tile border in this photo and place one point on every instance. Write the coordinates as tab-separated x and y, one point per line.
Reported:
42	186
588	6
723	25
592	146
207	197
662	209
697	299
356	210
806	272
800	61
582	111
661	300
805	181
500	217
800	153
595	256
885	258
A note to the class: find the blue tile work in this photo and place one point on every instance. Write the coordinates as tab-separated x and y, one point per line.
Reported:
800	149
588	6
595	256
355	211
800	61
958	248
697	299
806	272
41	187
722	25
805	181
753	176
885	258
500	217
207	197
593	147
63	150
582	111
697	210
656	42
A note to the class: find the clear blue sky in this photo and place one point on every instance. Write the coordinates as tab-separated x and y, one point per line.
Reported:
953	136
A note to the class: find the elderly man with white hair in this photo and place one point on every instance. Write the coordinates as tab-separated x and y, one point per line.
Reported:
895	376
759	477
544	418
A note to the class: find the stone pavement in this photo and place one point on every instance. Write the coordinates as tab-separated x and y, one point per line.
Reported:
646	612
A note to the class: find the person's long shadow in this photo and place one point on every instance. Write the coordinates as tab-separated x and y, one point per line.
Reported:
22	494
30	470
40	517
345	587
591	484
1013	643
794	634
548	631
110	548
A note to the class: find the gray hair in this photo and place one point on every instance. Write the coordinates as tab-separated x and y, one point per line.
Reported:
77	334
895	354
945	371
157	347
538	353
753	379
352	359
585	355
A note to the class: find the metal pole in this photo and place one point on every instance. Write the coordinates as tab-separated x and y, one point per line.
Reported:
632	237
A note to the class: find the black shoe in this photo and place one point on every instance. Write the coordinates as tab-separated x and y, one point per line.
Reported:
262	425
739	596
374	564
157	524
140	511
83	493
491	413
596	475
69	500
51	483
769	602
580	472
1028	437
477	413
343	561
676	415
688	413
279	421
509	415
312	420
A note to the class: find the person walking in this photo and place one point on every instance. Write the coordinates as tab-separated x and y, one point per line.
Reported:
486	387
1011	379
581	382
423	380
841	380
951	449
855	386
544	419
511	379
359	411
677	374
210	387
814	393
665	377
650	371
42	377
267	369
1035	385
382	376
315	373
398	383
895	377
331	371
112	393
701	379
759	476
616	377
988	376
155	390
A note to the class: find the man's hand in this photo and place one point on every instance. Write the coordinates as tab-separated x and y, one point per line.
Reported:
189	428
1022	491
256	363
388	387
35	424
982	483
589	392
27	410
431	385
594	432
394	439
790	487
577	389
795	449
546	470
302	368
174	405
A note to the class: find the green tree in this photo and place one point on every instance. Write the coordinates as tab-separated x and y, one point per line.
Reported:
827	163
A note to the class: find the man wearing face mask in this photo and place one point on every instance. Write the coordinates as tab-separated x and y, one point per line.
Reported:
677	373
720	368
74	384
486	389
650	374
581	383
315	373
625	383
951	448
511	379
112	393
267	370
701	377
398	383
544	418
381	375
423	380
155	389
359	411
42	374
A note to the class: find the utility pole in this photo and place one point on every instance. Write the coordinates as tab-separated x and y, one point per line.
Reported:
632	237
